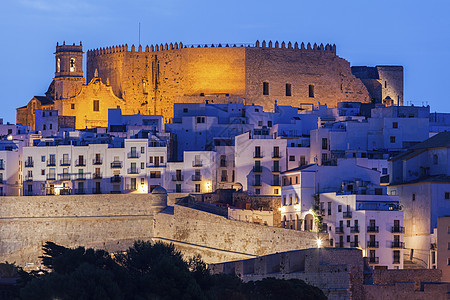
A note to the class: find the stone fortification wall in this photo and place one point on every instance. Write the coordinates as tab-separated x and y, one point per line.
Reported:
225	239
110	222
150	80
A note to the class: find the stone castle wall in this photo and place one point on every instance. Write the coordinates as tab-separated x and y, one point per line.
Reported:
150	81
114	222
226	239
110	222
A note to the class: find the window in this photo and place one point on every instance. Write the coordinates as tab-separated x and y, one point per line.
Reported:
302	160
348	223
392	139
394	124
142	181
185	110
288	89
72	106
324	143
447	196
269	123
260	123
265	88
339	208
257	151
200	120
448	261
324	157
348	239
291	157
50	126
384	171
43	172
58	65
144	87
96	105
435	159
72	65
197	188
44	127
142	165
224	177
142	149
133	184
257	191
385	84
178	188
311	91
413	197
329	208
275	191
396	256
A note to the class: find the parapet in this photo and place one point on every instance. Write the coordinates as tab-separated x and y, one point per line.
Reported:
328	48
69	48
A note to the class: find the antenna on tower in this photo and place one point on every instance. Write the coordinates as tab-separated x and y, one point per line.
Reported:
139	33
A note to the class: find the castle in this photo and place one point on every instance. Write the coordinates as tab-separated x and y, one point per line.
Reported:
150	81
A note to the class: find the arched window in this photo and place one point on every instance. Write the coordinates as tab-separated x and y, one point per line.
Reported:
58	65
72	65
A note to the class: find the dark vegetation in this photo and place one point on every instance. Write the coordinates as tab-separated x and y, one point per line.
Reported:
144	271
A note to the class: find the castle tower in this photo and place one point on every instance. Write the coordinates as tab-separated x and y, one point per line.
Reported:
68	70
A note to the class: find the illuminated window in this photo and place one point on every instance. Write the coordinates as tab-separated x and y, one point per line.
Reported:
58	65
72	65
265	88
288	89
311	91
96	105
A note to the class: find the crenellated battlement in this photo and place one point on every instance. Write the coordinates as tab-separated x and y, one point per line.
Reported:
175	46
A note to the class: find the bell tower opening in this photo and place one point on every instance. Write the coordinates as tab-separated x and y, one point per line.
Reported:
72	65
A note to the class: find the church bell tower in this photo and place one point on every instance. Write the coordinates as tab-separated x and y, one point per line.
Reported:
68	70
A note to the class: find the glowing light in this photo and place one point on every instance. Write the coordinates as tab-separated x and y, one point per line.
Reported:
143	188
208	186
9	138
319	243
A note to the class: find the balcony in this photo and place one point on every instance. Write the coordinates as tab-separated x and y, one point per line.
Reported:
51	177
28	164
79	191
80	176
257	169
354	244
397	245
96	191
64	176
354	229
339	244
373	244
133	171
97	176
51	163
374	260
258	154
116	179
223	163
97	161
196	177
158	165
197	163
372	229
276	155
340	229
80	163
177	178
64	162
276	182
133	154
116	165
398	229
347	214
276	169
28	178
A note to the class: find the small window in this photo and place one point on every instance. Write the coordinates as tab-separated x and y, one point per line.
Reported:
142	181
275	191
311	91
257	191
142	149
394	124
265	88
435	159
142	165
324	143
385	84
348	223
43	158
50	126
256	109
44	127
72	106
288	89
413	197
200	119
447	196
96	105
392	139
260	123
43	172
384	171
339	208
269	123
185	110
291	157
348	239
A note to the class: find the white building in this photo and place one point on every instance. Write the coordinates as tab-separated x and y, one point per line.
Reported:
10	168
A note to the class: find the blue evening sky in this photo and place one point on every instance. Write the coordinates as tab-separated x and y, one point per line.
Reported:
415	34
